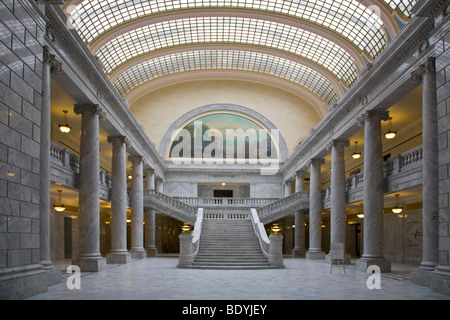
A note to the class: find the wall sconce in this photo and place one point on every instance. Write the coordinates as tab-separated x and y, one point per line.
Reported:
390	134
397	208
59	206
65	128
356	154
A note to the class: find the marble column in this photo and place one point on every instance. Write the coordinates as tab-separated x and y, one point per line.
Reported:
137	209
119	252
149	215
287	188
299	236
159	185
337	211
430	171
315	211
50	65
373	193
89	258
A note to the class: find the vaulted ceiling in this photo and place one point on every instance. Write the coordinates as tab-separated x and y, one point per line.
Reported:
315	48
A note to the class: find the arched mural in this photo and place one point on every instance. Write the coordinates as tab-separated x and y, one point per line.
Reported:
224	137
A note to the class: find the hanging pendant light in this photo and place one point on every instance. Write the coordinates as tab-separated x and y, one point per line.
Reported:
65	128
390	134
397	208
356	154
59	206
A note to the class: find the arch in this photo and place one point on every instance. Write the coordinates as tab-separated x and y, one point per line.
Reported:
285	85
227	60
245	112
337	83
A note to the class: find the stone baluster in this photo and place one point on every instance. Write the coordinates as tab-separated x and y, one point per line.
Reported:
119	252
373	192
89	259
315	211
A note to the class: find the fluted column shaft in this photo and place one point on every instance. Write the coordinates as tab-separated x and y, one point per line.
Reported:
430	167
315	211
373	192
299	241
44	186
89	199
337	210
119	252
150	215
137	209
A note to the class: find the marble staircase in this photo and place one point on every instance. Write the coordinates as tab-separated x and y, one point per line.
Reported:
229	244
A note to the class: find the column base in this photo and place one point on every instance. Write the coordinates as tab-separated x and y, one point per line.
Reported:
363	263
54	276
138	253
314	255
152	251
347	258
118	257
88	264
22	282
298	253
440	280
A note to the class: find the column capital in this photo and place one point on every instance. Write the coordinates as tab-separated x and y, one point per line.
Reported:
135	159
316	161
122	139
372	114
428	67
55	65
89	108
338	143
301	172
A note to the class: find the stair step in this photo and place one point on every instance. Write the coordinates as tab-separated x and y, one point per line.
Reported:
229	244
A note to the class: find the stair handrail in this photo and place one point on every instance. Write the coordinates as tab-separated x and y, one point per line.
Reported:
197	231
261	233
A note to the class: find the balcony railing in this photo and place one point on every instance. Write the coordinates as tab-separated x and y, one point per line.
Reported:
401	171
227	202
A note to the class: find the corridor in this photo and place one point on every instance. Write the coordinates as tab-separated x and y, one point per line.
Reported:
159	279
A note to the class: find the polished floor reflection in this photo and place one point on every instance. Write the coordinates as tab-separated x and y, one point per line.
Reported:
159	279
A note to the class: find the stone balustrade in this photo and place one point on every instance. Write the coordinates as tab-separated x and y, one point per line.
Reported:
401	171
241	202
284	206
170	206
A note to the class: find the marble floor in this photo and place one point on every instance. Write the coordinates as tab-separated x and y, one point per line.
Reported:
159	279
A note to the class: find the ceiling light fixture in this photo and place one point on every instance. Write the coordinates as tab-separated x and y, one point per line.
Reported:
390	134
65	128
356	154
59	206
397	208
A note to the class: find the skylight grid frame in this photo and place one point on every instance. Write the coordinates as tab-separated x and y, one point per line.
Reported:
226	60
348	14
215	29
403	6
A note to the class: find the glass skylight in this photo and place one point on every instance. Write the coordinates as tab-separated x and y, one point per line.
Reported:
229	60
230	30
404	6
349	18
